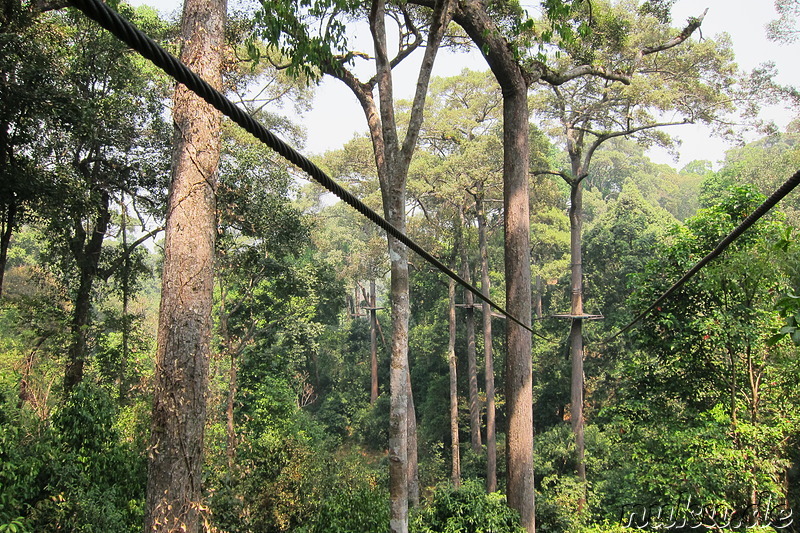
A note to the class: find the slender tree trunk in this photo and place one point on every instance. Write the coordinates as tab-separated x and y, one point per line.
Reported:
10	208
576	331
537	304
373	344
455	470
472	365
230	449
87	257
122	386
9	220
184	332
491	440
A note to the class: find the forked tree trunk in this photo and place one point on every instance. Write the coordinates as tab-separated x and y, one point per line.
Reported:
184	331
87	258
455	470
392	159
491	440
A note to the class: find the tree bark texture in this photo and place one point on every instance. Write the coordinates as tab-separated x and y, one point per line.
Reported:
519	378
184	331
413	458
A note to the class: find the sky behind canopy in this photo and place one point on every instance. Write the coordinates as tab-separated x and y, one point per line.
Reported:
336	116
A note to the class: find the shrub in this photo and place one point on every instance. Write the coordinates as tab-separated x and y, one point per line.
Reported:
465	510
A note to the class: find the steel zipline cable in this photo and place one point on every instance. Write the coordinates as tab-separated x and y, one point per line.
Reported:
149	49
768	204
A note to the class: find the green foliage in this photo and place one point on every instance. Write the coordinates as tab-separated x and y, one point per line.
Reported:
558	490
703	408
618	245
467	509
784	28
355	499
288	26
77	475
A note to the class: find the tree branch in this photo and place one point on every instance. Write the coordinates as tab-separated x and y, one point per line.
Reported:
106	273
558	78
694	23
562	175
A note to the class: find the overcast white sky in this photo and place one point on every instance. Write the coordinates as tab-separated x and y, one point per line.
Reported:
336	116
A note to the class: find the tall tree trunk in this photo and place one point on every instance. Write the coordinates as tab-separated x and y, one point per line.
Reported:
491	440
455	470
373	344
184	331
398	383
576	331
473	17
392	159
519	378
472	365
122	385
87	257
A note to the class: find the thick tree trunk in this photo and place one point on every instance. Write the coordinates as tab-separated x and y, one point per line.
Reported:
184	332
519	382
473	17
398	383
491	440
373	344
576	331
472	365
455	470
87	258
